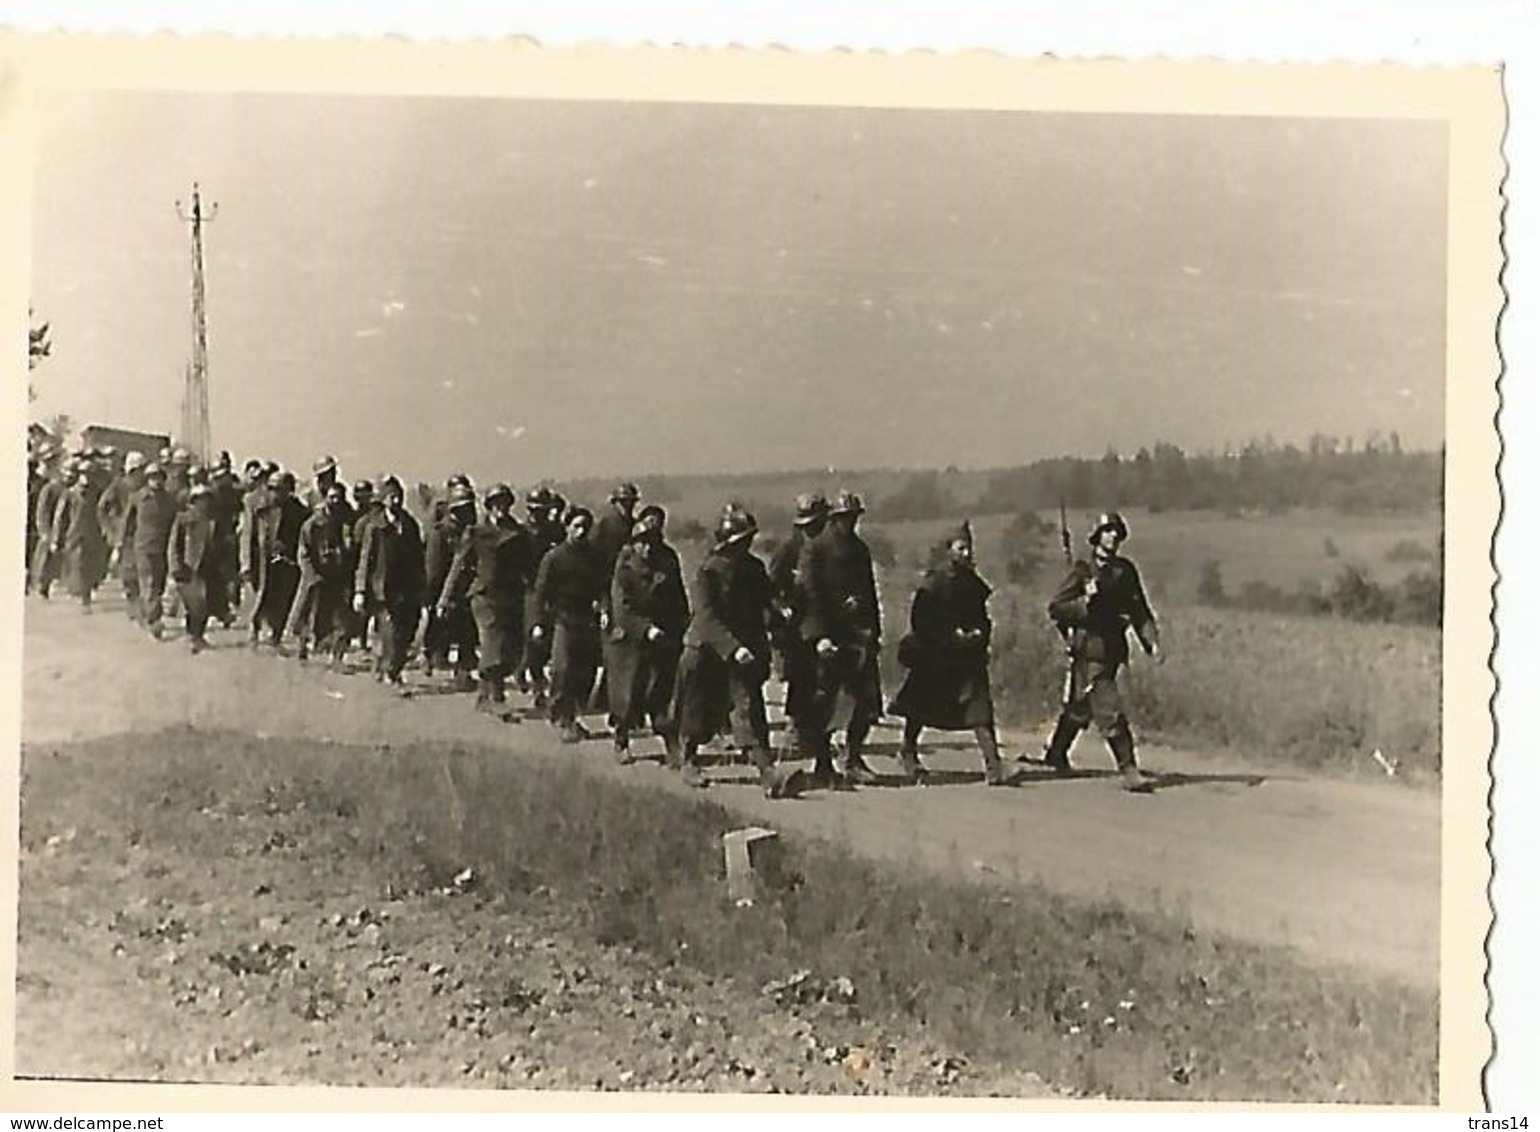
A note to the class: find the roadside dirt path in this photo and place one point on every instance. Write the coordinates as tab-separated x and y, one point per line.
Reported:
1346	872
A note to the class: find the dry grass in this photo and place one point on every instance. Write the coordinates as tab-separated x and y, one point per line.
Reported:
1092	996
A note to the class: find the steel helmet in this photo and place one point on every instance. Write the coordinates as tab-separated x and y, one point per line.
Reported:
1108	520
847	503
736	525
811	506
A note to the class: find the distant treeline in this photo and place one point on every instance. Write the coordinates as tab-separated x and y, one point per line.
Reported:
1376	475
1345	474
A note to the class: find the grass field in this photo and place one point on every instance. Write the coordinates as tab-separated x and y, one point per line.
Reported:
1089	995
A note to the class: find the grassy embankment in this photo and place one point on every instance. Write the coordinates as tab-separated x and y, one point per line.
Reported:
1091	996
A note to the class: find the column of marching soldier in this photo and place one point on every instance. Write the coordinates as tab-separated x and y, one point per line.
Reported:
582	612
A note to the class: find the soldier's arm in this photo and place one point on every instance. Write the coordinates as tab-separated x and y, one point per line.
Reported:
626	598
1141	616
130	520
178	555
365	563
712	613
543	590
107	507
1069	604
811	589
458	580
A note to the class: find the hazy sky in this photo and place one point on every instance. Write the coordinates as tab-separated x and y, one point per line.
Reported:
529	289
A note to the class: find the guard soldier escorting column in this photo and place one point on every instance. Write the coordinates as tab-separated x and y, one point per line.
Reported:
648	614
1095	606
947	653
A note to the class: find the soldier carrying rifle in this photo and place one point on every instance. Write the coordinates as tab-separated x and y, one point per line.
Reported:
1094	607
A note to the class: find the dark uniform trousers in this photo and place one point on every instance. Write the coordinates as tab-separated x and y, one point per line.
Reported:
731	608
455	630
841	596
1096	630
568	590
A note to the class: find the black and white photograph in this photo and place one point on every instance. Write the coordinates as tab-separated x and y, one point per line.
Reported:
577	591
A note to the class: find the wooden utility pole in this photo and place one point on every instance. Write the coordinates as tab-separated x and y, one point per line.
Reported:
195	394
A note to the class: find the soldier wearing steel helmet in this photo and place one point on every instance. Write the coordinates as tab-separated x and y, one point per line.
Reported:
322	616
45	560
544	510
842	626
150	517
323	473
115	509
1095	606
492	568
798	663
726	657
366	508
453	632
197	563
272	558
648	614
78	538
229	509
569	594
391	578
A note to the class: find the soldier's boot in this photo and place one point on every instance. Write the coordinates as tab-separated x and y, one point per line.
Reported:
817	748
484	696
623	754
909	763
673	755
856	767
1121	742
1056	755
772	780
995	773
691	771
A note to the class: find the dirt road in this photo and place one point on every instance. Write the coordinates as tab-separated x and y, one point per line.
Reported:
1345	872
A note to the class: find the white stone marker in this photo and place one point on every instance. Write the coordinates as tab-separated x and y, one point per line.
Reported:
749	853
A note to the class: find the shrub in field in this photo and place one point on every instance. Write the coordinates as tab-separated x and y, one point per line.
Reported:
1409	550
1027	547
1355	595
